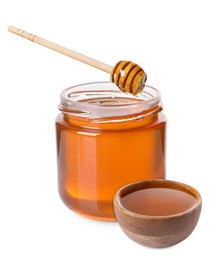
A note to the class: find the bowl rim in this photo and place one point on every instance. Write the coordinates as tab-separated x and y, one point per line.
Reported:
156	183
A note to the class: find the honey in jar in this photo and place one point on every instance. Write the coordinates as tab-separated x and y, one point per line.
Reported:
107	139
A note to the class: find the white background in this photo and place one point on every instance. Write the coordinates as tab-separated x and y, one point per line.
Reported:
175	42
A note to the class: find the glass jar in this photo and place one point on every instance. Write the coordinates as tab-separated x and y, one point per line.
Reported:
106	139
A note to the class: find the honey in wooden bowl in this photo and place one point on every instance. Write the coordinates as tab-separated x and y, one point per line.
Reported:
157	213
158	201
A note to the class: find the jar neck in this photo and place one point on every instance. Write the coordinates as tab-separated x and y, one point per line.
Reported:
102	104
147	118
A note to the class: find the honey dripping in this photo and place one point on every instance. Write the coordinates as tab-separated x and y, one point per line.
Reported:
158	201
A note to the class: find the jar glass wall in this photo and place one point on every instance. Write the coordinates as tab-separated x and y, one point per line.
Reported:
106	139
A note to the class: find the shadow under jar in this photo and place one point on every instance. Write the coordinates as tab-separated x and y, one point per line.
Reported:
107	139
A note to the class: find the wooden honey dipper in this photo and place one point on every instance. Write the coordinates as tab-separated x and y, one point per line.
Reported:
128	76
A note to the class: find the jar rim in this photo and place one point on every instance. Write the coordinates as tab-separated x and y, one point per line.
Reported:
104	99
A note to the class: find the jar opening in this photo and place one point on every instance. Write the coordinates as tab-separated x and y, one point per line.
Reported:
104	99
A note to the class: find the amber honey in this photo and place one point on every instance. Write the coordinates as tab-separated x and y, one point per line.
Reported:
158	201
106	139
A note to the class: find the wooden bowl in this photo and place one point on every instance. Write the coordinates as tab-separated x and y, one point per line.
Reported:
157	230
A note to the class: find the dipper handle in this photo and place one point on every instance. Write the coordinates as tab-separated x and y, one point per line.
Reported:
128	76
63	50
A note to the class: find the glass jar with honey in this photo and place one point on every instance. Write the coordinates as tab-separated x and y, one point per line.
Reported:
107	139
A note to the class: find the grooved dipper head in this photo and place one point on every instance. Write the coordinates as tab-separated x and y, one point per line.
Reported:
129	77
